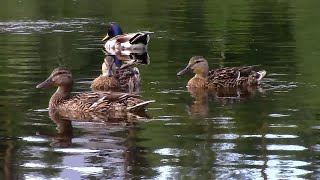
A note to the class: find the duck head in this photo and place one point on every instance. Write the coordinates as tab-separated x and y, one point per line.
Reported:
60	77
113	30
198	65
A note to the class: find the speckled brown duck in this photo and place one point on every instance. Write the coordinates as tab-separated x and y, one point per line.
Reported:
121	79
89	103
227	77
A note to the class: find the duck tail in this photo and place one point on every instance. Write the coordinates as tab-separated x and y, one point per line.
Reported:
140	106
261	74
140	38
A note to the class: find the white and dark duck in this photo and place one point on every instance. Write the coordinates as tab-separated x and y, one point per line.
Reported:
116	42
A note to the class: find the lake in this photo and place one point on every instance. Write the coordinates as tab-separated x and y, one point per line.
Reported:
271	133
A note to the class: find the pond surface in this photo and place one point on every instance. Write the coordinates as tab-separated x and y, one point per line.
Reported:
270	134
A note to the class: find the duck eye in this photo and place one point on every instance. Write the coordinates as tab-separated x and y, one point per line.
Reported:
198	61
59	73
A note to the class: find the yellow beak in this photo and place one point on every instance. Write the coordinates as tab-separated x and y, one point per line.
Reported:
105	38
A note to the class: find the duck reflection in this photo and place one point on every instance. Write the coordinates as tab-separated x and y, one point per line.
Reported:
233	94
113	118
134	57
116	146
200	105
63	137
131	57
7	152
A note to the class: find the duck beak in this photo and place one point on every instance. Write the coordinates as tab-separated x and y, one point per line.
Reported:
45	83
184	71
105	38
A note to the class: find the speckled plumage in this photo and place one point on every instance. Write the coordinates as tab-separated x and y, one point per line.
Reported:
126	79
88	103
223	77
105	83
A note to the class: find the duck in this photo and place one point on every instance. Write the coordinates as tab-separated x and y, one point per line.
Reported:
226	77
87	104
125	78
116	41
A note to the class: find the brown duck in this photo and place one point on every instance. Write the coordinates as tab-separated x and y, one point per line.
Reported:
121	79
89	103
227	77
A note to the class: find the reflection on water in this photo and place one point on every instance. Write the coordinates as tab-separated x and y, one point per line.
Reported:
134	57
64	133
266	133
200	104
97	151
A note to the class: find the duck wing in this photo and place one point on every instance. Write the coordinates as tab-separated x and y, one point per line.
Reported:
140	37
105	83
108	96
128	78
117	101
133	38
232	72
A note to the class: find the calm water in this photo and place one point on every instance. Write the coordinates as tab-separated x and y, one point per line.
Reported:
271	134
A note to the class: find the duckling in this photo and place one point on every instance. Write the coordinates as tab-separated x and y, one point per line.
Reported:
123	79
117	41
88	103
223	77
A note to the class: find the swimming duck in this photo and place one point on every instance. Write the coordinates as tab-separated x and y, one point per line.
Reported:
88	103
223	77
117	41
122	79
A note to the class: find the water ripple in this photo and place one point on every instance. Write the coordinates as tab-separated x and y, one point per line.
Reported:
28	26
225	136
288	173
34	139
280	147
271	136
283	126
286	163
82	170
278	115
74	150
278	136
170	152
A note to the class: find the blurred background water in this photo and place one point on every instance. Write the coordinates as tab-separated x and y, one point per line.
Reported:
272	134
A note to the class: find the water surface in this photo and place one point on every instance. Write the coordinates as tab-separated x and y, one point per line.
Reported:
270	134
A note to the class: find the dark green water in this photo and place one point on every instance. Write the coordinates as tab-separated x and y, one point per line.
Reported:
273	134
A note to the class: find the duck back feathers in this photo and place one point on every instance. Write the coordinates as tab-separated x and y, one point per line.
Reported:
105	83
